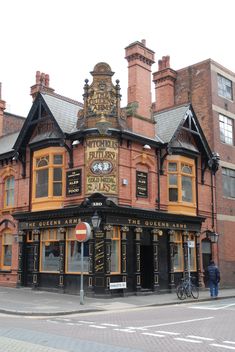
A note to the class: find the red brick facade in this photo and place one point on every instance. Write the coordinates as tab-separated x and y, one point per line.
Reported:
128	139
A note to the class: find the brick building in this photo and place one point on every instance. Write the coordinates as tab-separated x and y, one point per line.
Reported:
147	176
209	87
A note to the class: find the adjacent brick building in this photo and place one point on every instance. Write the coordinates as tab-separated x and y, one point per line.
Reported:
209	87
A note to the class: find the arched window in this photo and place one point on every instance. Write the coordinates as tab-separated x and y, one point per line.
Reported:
9	187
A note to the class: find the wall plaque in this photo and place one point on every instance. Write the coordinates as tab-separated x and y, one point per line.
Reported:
101	165
141	184
73	182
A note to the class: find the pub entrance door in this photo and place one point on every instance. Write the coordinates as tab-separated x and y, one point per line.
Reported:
164	261
28	268
146	261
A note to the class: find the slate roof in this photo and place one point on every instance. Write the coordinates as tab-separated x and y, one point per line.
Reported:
7	142
63	109
168	121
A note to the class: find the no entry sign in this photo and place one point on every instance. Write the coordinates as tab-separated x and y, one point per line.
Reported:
82	232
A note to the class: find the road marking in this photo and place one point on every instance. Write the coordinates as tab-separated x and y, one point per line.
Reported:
86	322
176	322
107	324
97	326
200	338
232	342
223	346
124	330
152	334
186	340
168	332
213	307
52	321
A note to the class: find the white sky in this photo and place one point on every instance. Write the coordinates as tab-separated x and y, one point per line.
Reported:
67	38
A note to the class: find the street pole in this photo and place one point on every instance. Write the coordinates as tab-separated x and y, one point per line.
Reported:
81	276
188	260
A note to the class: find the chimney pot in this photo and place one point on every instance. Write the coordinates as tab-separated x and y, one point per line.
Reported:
143	41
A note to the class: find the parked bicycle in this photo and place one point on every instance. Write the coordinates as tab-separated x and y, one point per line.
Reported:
187	289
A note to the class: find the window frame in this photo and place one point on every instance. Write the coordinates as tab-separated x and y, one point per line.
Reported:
70	237
179	161
228	180
48	236
115	238
4	233
222	87
9	189
224	129
50	200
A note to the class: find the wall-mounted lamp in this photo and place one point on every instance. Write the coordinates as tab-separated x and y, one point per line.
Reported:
75	143
146	147
212	236
95	220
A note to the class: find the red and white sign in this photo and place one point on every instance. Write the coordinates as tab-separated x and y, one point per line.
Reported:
82	232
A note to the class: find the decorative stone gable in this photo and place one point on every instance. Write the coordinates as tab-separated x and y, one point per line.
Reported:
101	101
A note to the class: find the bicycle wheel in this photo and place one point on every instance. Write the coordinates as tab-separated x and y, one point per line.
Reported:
194	291
180	292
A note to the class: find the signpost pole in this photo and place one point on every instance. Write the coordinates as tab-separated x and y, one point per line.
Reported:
188	260
81	276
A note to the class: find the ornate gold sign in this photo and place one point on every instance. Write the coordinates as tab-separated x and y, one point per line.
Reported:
101	165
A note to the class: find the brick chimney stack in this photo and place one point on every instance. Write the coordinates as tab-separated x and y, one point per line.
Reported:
2	108
140	60
42	84
164	80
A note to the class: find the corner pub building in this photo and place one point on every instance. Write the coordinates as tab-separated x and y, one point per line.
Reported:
147	176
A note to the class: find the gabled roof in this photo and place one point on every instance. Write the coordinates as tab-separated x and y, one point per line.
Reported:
7	142
64	110
170	123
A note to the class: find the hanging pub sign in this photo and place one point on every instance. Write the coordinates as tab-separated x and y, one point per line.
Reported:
73	182
101	165
141	184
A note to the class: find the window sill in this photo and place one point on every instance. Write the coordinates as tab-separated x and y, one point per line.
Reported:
5	271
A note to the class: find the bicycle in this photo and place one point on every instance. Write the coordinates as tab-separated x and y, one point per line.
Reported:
187	289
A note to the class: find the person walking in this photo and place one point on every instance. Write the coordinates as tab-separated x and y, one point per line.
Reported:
214	279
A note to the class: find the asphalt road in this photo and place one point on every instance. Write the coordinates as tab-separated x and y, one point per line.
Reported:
201	326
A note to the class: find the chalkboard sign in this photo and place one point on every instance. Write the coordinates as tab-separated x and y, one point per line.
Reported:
73	182
141	184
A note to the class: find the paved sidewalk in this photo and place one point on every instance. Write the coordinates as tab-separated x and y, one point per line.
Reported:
25	301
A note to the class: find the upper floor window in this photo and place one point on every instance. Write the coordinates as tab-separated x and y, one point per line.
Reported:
226	129
181	184
228	180
48	171
48	178
225	87
9	187
6	257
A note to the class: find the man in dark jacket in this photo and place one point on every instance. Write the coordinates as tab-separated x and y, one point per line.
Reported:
214	278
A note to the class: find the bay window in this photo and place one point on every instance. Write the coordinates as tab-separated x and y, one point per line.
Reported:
48	178
181	184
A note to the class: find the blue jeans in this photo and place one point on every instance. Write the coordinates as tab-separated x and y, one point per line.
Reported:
214	287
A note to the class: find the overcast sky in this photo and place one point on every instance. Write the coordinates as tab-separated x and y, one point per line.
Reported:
67	38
